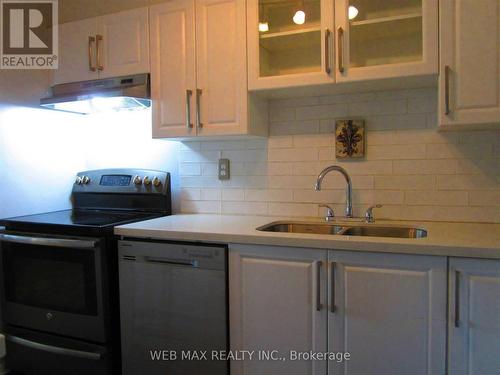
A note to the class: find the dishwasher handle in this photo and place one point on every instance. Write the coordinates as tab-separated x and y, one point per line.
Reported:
174	262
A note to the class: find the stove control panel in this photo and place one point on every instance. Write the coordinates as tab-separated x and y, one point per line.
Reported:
122	181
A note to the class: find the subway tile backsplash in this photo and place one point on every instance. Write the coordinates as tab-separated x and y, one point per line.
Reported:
416	172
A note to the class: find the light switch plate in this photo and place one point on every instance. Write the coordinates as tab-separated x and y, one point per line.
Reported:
224	172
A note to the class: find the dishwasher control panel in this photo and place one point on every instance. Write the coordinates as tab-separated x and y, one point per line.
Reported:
175	254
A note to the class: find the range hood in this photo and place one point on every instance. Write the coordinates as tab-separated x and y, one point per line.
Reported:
101	95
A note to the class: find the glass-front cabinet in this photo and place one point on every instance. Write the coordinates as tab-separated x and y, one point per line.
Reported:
290	43
386	38
297	42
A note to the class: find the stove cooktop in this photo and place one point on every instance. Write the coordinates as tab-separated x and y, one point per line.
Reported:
77	219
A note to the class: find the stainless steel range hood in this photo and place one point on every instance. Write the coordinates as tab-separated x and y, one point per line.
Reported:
101	95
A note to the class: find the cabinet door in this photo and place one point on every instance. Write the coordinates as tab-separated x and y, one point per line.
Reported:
173	72
290	43
383	39
221	67
277	302
389	313
469	83
77	60
474	317
124	49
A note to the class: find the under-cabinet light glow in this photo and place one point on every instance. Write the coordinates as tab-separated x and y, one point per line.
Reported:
99	104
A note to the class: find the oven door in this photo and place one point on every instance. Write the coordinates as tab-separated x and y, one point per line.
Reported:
53	284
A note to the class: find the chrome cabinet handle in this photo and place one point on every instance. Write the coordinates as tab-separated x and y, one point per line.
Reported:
98	39
447	72
341	49
327	51
319	265
92	68
457	299
46	241
199	124
54	349
332	287
189	93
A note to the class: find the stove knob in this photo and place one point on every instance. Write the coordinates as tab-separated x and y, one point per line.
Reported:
147	181
156	182
78	180
85	180
137	180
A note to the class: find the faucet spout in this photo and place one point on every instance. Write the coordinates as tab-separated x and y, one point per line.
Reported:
336	168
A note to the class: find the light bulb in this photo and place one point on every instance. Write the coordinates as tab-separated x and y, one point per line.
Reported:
300	17
263	27
353	12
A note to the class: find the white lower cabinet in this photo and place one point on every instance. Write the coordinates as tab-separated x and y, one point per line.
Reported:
277	302
388	311
474	311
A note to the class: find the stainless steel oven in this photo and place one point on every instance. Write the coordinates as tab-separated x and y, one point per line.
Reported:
54	284
59	274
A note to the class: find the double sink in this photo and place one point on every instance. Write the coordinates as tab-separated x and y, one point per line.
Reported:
344	229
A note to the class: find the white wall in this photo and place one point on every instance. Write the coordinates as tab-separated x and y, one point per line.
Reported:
38	159
41	151
417	172
124	139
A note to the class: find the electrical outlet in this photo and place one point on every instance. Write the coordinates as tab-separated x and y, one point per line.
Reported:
224	169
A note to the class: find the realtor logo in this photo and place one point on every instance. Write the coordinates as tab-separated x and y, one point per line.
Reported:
28	34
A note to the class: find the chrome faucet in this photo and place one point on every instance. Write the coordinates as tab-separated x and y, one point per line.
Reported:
348	201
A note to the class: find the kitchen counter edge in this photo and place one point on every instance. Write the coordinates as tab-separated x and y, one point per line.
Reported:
444	239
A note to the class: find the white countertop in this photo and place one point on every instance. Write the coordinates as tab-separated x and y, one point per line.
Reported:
449	239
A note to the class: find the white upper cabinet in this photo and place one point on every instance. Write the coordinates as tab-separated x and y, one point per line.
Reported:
389	312
294	43
76	52
198	75
108	46
277	299
221	95
125	43
385	39
173	68
290	43
469	84
474	317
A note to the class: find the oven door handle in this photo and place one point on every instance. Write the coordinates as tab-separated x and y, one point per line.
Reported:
55	349
46	241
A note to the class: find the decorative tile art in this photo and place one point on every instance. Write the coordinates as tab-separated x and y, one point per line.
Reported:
349	139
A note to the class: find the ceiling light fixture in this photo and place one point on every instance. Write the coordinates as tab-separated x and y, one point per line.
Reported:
263	24
300	16
352	12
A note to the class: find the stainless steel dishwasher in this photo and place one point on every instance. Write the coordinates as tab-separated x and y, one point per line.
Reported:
173	301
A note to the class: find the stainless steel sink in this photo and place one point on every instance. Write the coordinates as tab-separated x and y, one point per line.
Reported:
344	229
297	227
385	231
